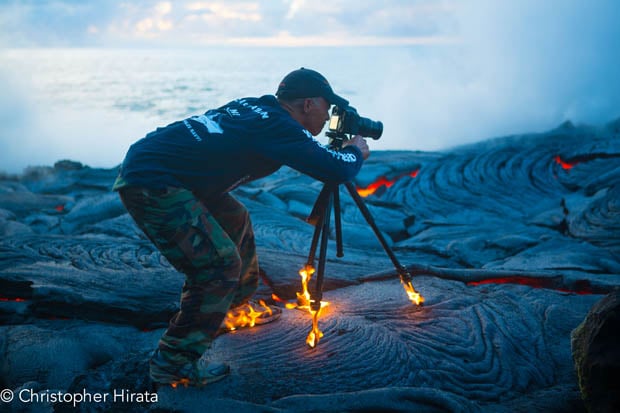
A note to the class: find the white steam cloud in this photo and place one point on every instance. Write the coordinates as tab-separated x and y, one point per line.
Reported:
35	132
521	66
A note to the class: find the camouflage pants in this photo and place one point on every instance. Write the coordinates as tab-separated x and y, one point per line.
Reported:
212	243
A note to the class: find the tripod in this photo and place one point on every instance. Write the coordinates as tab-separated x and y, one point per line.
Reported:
328	199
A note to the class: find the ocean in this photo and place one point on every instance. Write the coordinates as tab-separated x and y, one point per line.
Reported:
89	105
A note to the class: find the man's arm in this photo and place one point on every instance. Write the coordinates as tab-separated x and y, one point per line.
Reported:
302	152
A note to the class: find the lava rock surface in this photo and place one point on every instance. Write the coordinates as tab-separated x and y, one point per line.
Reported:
511	241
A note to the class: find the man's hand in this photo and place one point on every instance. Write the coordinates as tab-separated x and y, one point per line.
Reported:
360	142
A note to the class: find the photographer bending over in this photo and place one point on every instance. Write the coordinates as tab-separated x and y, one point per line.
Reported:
175	183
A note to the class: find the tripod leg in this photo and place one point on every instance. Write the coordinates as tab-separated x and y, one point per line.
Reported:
318	294
338	222
319	205
315	240
316	218
373	225
404	274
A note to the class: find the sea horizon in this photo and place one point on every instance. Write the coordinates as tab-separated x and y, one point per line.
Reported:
89	104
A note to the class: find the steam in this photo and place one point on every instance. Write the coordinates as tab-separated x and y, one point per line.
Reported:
37	132
523	66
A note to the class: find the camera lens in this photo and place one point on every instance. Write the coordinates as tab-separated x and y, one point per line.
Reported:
369	128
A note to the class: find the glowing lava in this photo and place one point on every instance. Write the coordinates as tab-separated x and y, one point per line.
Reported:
564	164
372	188
581	287
12	299
382	181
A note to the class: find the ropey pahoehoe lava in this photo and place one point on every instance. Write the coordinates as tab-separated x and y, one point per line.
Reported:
511	241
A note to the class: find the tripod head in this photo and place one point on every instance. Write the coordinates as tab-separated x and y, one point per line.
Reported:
336	139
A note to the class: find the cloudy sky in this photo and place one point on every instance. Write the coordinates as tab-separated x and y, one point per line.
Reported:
112	23
462	70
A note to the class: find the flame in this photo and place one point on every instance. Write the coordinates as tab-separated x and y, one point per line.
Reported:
184	382
315	334
245	317
274	297
303	298
413	295
304	302
383	181
564	164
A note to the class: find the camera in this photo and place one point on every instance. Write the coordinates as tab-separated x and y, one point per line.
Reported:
347	121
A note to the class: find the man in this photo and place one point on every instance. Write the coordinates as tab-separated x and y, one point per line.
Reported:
175	183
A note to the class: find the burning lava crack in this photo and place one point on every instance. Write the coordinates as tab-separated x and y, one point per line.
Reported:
581	287
571	162
383	181
477	277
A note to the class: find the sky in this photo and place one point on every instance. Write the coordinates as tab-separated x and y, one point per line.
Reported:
111	23
489	68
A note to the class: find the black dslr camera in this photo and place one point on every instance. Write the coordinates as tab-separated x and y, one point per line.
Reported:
347	122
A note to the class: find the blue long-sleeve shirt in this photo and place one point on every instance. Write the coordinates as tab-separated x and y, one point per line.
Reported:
241	141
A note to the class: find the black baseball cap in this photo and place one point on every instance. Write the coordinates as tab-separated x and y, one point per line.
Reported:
308	83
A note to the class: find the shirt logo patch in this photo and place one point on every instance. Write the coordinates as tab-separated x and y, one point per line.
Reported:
232	112
211	122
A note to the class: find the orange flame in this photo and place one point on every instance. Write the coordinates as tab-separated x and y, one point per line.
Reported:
383	181
304	302
303	298
413	295
243	317
184	382
315	334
